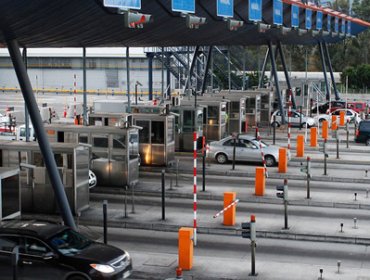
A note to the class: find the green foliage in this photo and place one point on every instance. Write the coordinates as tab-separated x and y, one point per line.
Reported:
358	76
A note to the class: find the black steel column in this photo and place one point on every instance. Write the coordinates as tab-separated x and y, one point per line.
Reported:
168	76
324	71
326	51
277	88
263	68
128	79
282	57
204	83
150	78
84	86
26	118
192	67
44	144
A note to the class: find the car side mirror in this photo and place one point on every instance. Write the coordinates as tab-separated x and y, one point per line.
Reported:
49	256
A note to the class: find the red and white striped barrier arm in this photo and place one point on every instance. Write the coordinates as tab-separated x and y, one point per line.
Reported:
262	154
195	137
226	208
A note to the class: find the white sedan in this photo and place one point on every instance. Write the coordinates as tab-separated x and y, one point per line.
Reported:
350	116
296	119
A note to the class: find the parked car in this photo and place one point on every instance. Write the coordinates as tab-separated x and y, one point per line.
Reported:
246	149
350	116
324	108
53	251
357	106
363	132
297	119
92	179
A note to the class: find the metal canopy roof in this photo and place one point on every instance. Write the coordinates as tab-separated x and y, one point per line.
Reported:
87	23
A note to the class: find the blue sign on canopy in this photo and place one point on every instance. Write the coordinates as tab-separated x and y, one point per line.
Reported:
343	27
123	4
225	8
185	6
336	25
328	23
255	10
319	20
278	12
349	27
308	19
295	16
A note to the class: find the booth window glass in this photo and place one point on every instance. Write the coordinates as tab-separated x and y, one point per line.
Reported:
119	142
144	133
213	113
10	195
157	132
83	139
171	130
100	142
134	145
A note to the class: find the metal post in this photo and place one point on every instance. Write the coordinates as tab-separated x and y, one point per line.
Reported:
326	51
260	82
243	86
44	145
325	156
253	258
287	78
150	77
347	134
177	173
27	122
126	187
191	68
234	150
324	71
204	163
105	215
168	76
274	131
163	197
278	93
128	79
286	204
84	81
209	58
300	116
133	198
162	74
337	140
308	176
229	67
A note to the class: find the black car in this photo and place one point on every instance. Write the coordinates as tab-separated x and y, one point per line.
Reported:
323	108
52	251
363	132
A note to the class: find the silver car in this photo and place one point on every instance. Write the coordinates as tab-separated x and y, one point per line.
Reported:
246	149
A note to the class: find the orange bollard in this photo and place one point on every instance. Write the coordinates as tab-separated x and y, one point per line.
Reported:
313	139
300	145
186	248
334	124
341	118
325	130
229	214
260	181
283	161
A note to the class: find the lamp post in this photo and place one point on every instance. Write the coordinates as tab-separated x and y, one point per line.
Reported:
136	85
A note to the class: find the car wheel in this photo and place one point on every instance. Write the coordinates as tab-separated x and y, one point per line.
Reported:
275	124
270	161
77	277
221	158
303	125
368	142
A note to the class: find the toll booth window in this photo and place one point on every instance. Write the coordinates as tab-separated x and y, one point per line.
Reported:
119	142
83	139
144	133
38	160
188	121
171	131
157	136
58	160
100	142
134	145
213	113
258	105
10	194
235	106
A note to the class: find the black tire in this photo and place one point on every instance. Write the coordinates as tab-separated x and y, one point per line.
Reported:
367	142
270	161
275	124
303	125
77	277
221	158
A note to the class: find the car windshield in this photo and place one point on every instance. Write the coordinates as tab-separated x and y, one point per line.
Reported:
69	242
255	142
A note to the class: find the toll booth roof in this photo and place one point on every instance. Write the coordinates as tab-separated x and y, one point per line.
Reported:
87	129
6	172
31	146
89	23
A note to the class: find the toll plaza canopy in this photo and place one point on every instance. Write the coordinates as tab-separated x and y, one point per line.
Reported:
93	23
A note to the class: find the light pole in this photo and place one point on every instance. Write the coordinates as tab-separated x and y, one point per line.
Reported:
136	84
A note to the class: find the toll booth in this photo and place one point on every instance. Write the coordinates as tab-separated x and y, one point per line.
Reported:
36	190
156	138
115	153
10	193
188	120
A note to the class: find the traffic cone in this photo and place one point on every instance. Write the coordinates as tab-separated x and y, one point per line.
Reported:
76	121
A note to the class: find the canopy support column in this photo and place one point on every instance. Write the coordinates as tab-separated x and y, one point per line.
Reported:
191	69
326	51
26	118
168	75
84	85
44	144
150	75
128	79
263	68
277	88
208	62
324	71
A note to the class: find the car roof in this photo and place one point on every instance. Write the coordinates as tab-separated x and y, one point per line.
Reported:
244	136
43	229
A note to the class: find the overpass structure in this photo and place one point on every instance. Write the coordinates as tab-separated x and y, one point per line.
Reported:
162	23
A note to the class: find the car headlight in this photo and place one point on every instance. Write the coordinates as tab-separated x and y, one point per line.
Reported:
103	268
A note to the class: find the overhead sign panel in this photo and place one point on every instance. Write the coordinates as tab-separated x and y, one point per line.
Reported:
349	27
123	4
225	8
295	16
185	6
343	27
278	12
328	23
255	10
336	25
319	20
308	19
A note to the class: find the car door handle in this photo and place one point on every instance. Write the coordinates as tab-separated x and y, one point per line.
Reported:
26	262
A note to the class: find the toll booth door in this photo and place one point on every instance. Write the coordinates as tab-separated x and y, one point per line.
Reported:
10	197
